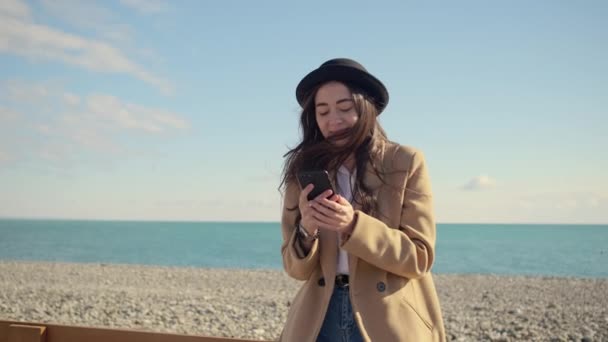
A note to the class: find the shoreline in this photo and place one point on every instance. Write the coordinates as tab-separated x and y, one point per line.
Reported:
237	269
253	303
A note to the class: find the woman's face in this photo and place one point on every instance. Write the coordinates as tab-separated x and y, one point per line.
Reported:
334	109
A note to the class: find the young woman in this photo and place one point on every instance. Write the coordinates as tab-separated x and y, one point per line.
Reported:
366	251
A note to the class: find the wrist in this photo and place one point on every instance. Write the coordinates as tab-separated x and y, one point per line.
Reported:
304	235
347	232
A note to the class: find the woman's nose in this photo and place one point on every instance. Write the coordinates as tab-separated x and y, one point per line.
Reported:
334	117
335	122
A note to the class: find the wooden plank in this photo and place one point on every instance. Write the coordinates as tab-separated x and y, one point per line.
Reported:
26	333
66	333
4	331
77	334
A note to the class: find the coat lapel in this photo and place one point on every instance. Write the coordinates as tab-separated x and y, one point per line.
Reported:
329	239
372	181
352	260
329	253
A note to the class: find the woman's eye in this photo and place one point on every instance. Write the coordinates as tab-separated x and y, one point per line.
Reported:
323	113
346	109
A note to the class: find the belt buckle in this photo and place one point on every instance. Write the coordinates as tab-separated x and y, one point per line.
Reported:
342	280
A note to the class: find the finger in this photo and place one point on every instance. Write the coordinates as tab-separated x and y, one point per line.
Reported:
304	193
335	219
329	212
318	218
337	207
324	195
342	200
313	212
327	222
329	226
322	216
307	212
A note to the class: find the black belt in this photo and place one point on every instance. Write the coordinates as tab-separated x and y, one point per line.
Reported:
342	280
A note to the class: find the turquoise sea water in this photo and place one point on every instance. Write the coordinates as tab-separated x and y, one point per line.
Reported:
562	250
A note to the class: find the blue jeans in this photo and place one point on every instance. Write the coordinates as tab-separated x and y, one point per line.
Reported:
339	324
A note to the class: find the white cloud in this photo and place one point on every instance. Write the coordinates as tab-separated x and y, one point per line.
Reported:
96	140
4	157
133	116
526	204
145	6
15	9
89	16
479	183
39	42
22	92
593	202
75	126
44	129
563	200
522	204
92	17
7	114
58	153
71	99
168	119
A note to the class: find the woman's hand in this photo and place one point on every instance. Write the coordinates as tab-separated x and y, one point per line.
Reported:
335	213
308	221
332	213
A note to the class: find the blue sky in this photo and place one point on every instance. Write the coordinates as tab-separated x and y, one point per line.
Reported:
182	110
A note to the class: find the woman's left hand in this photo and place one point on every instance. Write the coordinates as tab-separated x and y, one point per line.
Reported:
335	213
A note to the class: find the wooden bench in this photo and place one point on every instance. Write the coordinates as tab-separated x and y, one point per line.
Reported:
41	332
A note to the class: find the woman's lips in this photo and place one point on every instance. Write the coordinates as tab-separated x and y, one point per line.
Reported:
342	131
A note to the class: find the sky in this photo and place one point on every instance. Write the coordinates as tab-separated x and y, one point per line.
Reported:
183	110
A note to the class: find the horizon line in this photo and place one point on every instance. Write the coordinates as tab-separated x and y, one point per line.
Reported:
274	222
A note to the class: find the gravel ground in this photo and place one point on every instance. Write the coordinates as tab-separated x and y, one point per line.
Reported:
253	303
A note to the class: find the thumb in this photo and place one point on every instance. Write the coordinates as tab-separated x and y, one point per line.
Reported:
341	200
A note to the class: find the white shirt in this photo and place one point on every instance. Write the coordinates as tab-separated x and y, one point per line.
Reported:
346	183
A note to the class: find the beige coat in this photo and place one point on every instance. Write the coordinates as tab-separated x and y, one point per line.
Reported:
390	258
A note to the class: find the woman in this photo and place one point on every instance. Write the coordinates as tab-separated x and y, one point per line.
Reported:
365	252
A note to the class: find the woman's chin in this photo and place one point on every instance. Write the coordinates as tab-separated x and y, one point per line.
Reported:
340	142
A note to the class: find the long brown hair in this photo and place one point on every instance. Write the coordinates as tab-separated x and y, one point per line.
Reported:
315	152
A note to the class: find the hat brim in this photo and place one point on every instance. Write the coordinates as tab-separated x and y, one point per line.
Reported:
363	80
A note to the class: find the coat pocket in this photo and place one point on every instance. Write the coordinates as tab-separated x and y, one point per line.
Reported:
423	320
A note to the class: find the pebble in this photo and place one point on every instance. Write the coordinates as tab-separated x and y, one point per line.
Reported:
218	302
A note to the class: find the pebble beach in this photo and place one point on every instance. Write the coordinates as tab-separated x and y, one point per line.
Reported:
253	304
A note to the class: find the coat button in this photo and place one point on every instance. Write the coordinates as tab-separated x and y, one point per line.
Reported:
381	287
321	282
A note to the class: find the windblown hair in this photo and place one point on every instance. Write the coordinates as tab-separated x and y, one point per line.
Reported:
315	152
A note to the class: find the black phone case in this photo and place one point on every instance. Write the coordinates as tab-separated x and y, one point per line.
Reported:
320	179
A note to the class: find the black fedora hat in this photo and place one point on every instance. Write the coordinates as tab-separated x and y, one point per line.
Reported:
348	71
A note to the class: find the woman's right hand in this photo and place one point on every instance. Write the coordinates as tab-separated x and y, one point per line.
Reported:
308	221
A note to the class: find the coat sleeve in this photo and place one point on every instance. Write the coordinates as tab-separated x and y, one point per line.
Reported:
408	250
296	263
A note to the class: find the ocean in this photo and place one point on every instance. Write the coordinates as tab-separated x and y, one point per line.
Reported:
510	249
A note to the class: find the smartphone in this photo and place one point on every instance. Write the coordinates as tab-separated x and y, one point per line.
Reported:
319	178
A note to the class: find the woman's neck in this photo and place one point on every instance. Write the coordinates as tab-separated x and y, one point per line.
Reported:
349	163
